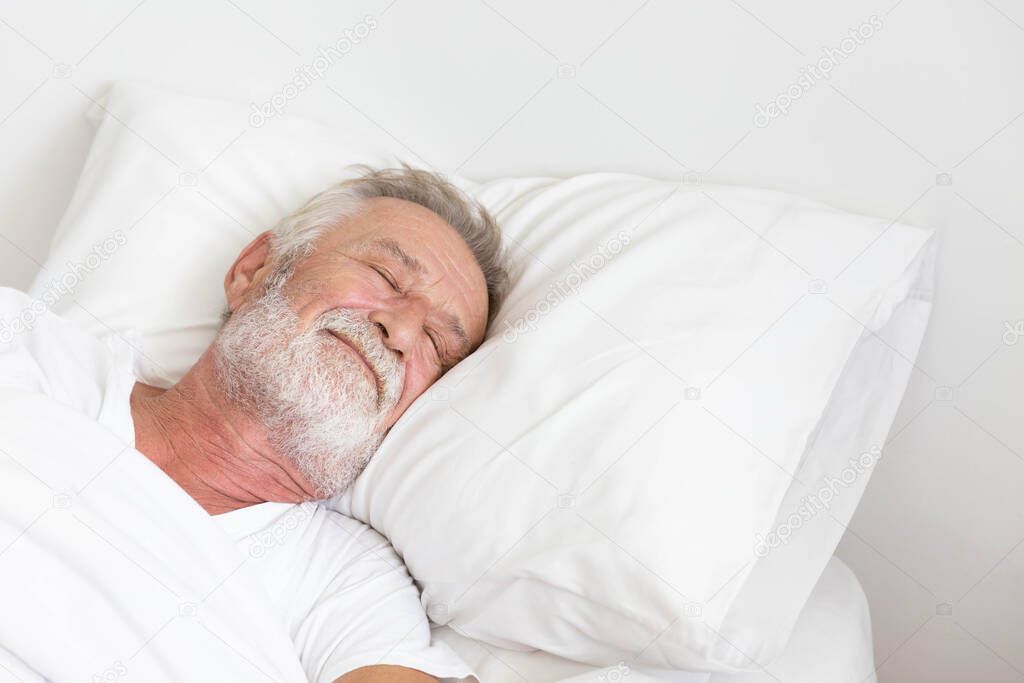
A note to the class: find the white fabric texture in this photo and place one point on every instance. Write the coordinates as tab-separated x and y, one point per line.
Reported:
831	643
596	481
297	592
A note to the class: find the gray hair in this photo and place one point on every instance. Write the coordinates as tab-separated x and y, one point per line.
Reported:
294	235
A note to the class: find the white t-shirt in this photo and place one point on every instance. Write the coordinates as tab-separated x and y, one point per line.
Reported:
342	593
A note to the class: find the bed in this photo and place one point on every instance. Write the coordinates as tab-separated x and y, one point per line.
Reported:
816	393
831	644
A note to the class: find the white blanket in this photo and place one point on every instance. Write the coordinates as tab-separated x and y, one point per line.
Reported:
107	569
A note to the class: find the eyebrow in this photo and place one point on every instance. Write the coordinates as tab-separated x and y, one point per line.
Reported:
392	248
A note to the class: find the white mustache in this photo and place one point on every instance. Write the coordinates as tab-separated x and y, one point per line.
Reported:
363	335
317	407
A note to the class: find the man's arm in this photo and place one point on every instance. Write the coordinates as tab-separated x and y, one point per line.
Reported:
386	674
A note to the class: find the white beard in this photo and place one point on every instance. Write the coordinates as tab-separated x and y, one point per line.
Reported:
314	398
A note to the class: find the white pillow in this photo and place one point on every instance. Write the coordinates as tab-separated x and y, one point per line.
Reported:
677	368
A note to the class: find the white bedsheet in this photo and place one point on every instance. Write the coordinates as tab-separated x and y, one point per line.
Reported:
831	644
99	582
125	576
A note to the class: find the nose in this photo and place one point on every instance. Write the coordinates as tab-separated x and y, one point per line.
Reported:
400	324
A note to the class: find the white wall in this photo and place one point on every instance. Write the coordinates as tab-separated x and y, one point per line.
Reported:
662	88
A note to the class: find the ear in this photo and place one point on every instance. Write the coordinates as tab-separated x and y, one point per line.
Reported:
248	270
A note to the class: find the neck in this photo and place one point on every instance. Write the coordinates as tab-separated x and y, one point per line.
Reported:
217	454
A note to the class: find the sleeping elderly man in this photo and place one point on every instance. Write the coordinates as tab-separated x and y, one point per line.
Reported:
336	320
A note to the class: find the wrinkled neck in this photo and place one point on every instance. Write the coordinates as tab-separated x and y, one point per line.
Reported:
218	454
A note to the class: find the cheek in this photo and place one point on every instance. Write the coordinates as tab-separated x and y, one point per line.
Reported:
416	382
317	295
360	291
418	377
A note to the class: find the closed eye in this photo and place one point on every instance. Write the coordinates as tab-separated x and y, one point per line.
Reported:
387	277
438	348
435	340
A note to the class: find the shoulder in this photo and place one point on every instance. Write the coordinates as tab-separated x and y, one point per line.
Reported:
349	600
322	551
308	549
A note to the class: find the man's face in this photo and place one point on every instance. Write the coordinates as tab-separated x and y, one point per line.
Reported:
366	323
412	276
